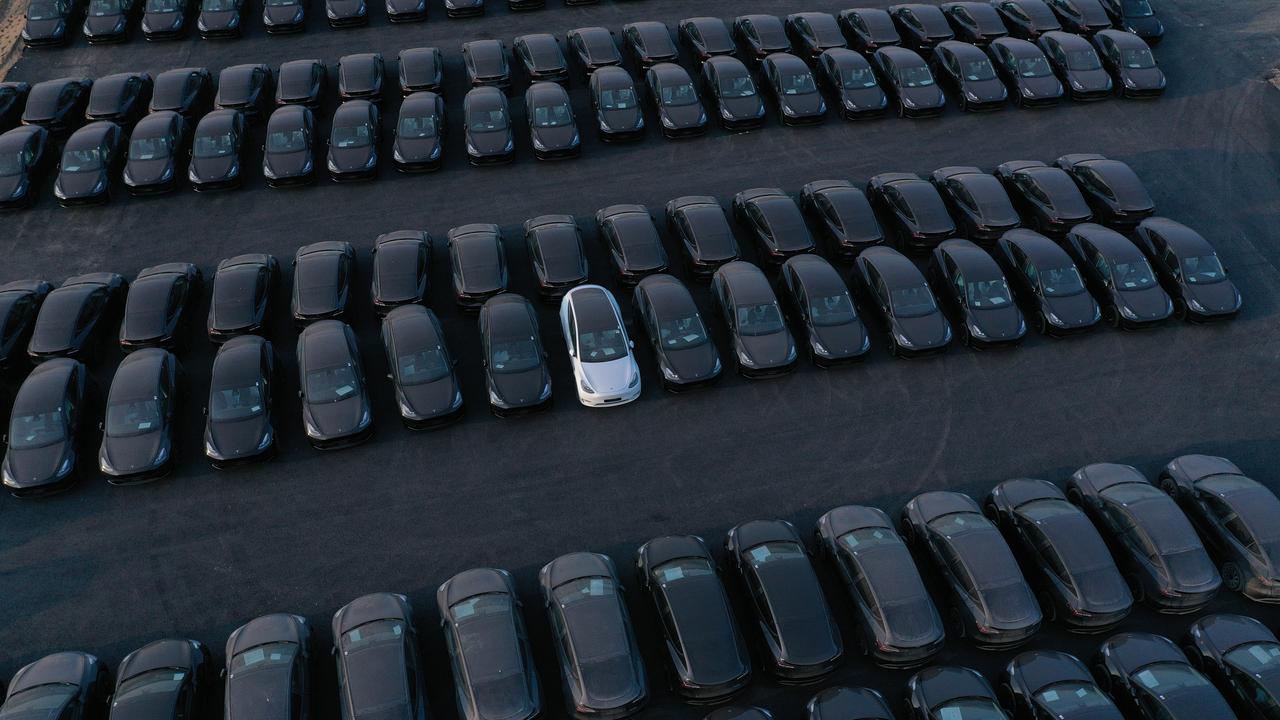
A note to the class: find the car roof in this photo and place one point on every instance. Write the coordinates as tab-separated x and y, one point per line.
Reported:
90	135
17	138
324	344
508	313
140	374
817	275
1018	47
747	282
1040	249
786	62
892	265
669	73
972	260
1123	39
218	121
612	77
48	381
357	111
485	51
902	57
593	306
1181	238
238	362
155	124
546	92
1068	41
962	50
1109	242
485	98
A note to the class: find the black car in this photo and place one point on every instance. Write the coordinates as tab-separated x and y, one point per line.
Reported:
1027	19
906	78
49	22
978	201
1113	190
676	100
157	304
421	69
600	664
541	57
594	47
57	105
401	261
93	156
898	291
991	601
107	21
795	625
486	63
220	19
284	16
840	703
20	303
322	277
820	303
404	11
242	290
121	98
705	649
427	391
1152	541
1082	17
44	437
487	117
552	127
617	105
515	362
165	19
795	91
156	147
346	13
812	33
1046	196
921	26
419	133
1137	17
239	419
360	77
72	315
171	679
898	625
967	71
945	692
1120	277
186	91
775	222
685	355
1050	285
479	264
1077	65
493	673
1236	516
706	37
868	29
1242	657
1132	66
245	87
762	34
215	151
380	674
1026	71
58	685
649	43
974	22
843	216
849	76
971	282
1076	580
335	397
761	342
1052	684
633	241
1189	269
301	82
137	439
1151	679
353	142
731	93
917	213
556	253
699	222
269	665
288	155
26	157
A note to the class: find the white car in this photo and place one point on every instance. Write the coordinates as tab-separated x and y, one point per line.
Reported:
603	364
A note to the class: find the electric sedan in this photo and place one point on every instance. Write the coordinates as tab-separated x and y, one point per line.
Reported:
1081	17
215	151
556	252
1137	17
157	305
968	72
322	277
921	26
906	77
594	47
553	130
20	303
819	303
761	342
978	201
478	263
1120	277
1242	657
353	141
1077	66
419	134
801	638
1151	539
473	8
167	678
731	93
220	19
898	625
284	16
1046	195
843	215
48	23
632	238
346	13
137	439
1046	277
75	314
239	419
1052	684
421	69
1132	66
541	57
599	350
1026	71
26	157
1076	580
427	391
107	21
121	98
685	355
288	155
1189	270
915	208
775	222
269	665
673	95
895	287
1151	679
990	600
813	33
46	429
487	119
649	43
1237	518
1113	190
186	91
705	649
951	693
974	22
794	90
868	29
699	223
493	673
850	78
57	105
165	19
1027	19
245	87
401	265
762	34
617	105
57	685
92	157
360	77
515	364
706	37
380	674
971	282
242	290
156	147
840	703
335	398
486	63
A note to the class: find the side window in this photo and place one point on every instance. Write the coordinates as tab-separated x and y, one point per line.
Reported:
537	253
762	605
669	623
859	24
1231	521
411	677
1099	264
342	276
957	278
695	33
1171	262
573	327
177	296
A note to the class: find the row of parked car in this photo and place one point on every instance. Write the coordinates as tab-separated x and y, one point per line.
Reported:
1030	552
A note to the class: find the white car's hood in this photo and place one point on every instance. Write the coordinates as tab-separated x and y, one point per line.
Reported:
609	377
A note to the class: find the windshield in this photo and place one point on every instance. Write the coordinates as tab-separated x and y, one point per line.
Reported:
1061	282
1035	67
856	78
1134	275
548	116
762	319
352	136
1203	270
212	146
103	8
37	702
237	403
969	709
832	310
133	417
988	294
164	6
1137	58
417	126
682	333
489	120
737	87
82	160
798	84
46	10
1137	8
514	355
37	430
1066	697
285	141
332	384
263	656
914	301
1167	678
423	366
12	163
1084	59
915	77
601	344
678	95
619	99
217	5
976	70
157	148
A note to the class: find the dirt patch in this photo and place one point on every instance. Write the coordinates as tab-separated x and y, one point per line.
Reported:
1273	77
11	22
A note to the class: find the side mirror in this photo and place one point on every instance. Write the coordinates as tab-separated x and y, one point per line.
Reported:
205	411
299	394
102	427
631	344
390	376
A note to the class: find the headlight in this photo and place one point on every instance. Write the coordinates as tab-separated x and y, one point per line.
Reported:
1026	92
971	96
546	391
234	21
406	409
472	149
1195	305
333	167
788	111
1127	313
162	454
1075	85
65	467
496	399
457	399
1129	83
819	348
537	143
635	379
903	340
511	145
100	185
365	417
1053	319
976	331
210	450
716	368
329	11
267	171
192	175
791	354
745	359
908	102
312	430
669	374
167	174
265	442
724	113
667	122
371	162
604	125
297	17
586	387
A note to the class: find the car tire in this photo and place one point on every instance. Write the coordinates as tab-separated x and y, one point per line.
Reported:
902	111
1169	487
1232	577
1180	308
1075	497
1111	315
989	509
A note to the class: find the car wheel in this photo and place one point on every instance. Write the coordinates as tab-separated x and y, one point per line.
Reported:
1075	497
964	103
1232	578
1111	315
893	348
989	509
902	111
1047	607
1169	486
1180	308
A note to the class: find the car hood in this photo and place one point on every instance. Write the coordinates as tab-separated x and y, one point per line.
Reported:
766	350
842	340
520	388
629	119
149	171
418	148
135	453
859	98
1041	87
219	20
237	437
925	331
609	377
1090	80
104	25
153	21
684	116
556	138
38	29
1073	310
1144	78
36	466
289	163
491	143
987	90
693	363
999	323
431	399
345	7
743	107
1149	304
337	418
1146	26
806	104
81	184
217	168
924	97
283	13
1216	297
355	158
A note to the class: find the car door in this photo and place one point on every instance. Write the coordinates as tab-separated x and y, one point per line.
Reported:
955	283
